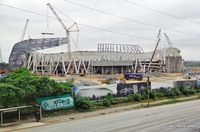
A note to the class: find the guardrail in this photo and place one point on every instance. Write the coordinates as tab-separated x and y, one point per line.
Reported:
18	110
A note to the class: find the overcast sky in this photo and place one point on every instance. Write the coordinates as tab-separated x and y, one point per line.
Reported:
183	31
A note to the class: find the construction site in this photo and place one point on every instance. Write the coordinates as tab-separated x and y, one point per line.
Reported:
108	58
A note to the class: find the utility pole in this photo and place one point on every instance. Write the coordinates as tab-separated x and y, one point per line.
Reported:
148	89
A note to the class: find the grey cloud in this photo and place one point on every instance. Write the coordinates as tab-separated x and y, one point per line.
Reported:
12	22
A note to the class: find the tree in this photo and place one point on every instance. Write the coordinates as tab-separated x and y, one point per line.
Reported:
21	81
10	95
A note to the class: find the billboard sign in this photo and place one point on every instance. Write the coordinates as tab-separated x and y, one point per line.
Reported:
56	102
124	89
131	88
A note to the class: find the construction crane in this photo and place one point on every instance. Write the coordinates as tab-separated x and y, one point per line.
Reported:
24	30
67	30
157	42
168	40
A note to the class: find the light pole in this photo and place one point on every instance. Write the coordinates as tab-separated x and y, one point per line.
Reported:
148	88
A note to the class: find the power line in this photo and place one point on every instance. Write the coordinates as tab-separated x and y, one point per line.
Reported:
64	14
160	12
128	19
84	25
115	32
25	10
105	30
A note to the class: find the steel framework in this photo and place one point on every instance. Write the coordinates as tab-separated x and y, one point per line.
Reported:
22	49
136	49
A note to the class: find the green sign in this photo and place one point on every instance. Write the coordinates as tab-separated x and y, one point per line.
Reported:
56	102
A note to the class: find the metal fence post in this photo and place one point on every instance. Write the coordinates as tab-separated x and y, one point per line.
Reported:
40	112
19	116
1	118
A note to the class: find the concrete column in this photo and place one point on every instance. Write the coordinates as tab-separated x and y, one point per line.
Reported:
102	70
122	69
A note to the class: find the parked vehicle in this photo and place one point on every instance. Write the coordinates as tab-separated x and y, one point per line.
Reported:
136	76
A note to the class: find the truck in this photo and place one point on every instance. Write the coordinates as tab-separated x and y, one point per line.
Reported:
135	76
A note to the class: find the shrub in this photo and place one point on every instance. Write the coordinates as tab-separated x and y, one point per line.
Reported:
120	100
83	103
136	97
106	102
177	92
159	95
144	96
197	90
161	90
185	91
109	97
152	95
170	93
192	91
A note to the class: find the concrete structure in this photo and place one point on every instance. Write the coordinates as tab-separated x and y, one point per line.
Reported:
108	59
186	83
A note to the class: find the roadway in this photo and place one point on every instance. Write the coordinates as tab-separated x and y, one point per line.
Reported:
180	117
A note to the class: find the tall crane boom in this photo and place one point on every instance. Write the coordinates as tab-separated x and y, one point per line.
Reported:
157	42
56	15
24	30
66	30
168	40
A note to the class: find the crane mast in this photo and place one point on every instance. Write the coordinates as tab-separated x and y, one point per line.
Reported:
66	30
24	30
157	42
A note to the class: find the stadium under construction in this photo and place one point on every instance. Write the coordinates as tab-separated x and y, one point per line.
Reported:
108	59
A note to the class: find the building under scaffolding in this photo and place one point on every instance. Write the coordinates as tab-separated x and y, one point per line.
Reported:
108	59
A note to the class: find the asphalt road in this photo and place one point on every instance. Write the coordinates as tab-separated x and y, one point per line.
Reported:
180	117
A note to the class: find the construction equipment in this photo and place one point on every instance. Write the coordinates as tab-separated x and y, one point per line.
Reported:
157	42
67	30
135	76
24	30
47	31
121	78
168	40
